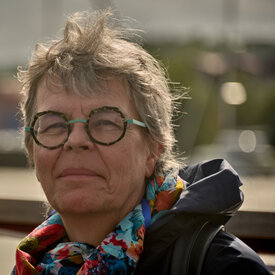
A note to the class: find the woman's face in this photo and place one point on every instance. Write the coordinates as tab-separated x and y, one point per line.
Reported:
83	177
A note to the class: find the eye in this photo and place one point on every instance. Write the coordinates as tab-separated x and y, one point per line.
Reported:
106	120
53	128
50	124
106	124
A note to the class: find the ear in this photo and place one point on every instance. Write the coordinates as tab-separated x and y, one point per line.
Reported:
155	149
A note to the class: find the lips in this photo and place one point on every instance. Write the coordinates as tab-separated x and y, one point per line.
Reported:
77	173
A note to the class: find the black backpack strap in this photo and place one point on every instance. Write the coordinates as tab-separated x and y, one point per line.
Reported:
190	251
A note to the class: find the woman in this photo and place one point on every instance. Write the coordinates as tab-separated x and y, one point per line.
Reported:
97	116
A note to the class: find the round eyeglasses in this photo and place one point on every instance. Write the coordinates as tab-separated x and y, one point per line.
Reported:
105	125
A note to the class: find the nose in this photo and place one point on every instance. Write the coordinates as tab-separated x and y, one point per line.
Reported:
78	138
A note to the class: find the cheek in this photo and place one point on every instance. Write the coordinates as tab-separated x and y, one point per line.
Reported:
118	162
129	165
44	161
127	182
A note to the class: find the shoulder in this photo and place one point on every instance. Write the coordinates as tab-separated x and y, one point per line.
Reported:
227	254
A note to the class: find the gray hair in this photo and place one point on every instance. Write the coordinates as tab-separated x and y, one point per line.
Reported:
93	48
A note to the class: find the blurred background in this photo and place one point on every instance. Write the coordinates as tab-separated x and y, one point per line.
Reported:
223	51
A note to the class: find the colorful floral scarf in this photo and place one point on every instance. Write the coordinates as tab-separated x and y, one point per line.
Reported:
46	250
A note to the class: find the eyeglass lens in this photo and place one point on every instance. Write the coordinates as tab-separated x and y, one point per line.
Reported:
104	126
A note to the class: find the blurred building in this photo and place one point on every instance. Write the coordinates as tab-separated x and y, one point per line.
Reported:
25	22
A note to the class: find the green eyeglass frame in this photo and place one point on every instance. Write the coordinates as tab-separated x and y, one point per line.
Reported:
30	129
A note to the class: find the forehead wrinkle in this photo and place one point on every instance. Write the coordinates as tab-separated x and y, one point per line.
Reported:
48	87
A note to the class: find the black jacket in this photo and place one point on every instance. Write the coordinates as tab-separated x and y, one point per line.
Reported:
212	194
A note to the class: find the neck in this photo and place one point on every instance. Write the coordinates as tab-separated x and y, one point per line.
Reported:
91	229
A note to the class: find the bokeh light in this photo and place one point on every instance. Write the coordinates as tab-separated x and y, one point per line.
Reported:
233	93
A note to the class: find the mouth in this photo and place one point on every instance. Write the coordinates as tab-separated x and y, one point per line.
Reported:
78	173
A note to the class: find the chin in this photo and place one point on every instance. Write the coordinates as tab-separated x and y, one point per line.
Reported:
76	205
83	201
